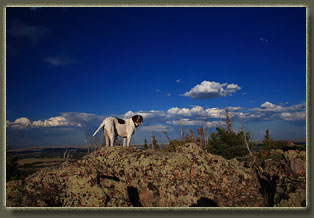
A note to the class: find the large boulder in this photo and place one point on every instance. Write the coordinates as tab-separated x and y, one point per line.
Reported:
126	177
283	178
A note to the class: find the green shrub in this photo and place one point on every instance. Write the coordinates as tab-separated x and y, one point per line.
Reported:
228	144
145	145
172	146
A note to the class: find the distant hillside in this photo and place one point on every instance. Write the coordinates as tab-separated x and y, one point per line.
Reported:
294	140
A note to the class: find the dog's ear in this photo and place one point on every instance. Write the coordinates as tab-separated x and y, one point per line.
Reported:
140	118
134	118
137	118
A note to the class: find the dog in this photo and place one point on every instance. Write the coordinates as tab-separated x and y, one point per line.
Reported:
114	126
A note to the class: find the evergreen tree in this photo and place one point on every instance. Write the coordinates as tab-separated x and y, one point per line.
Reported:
228	145
267	142
154	143
145	144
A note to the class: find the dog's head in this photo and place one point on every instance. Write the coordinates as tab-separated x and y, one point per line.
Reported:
137	119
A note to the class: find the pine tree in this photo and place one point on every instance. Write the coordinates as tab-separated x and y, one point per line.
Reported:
145	144
154	143
228	145
268	142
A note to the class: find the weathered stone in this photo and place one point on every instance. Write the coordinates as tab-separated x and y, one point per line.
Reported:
125	177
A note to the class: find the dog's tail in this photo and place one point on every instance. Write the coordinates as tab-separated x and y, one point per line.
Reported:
101	125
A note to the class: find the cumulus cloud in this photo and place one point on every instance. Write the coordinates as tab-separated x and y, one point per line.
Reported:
269	111
266	111
193	116
179	111
293	116
19	123
268	106
145	114
234	108
70	119
156	128
196	111
188	122
57	121
208	89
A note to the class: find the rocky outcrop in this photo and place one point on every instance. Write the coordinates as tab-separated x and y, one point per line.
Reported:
126	177
283	178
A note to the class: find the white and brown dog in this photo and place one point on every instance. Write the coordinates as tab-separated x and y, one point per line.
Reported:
115	126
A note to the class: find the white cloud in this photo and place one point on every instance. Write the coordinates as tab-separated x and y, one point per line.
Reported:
266	111
232	86
145	114
194	116
268	106
295	107
58	61
269	111
70	119
188	122
234	108
19	123
215	112
293	116
56	122
179	111
156	128
178	81
198	111
208	89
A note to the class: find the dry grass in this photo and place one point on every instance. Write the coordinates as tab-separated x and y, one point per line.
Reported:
42	161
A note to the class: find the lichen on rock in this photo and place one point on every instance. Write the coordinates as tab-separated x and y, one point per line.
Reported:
130	177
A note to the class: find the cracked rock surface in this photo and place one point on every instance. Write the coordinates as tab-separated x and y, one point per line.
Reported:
130	177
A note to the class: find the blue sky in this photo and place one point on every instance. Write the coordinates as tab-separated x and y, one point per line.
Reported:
69	68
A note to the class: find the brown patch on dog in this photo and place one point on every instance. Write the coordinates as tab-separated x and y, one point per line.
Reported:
121	121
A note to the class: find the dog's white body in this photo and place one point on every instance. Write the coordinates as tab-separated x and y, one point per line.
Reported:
113	127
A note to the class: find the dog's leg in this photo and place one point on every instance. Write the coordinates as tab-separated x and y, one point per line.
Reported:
110	129
124	141
128	141
111	140
106	137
